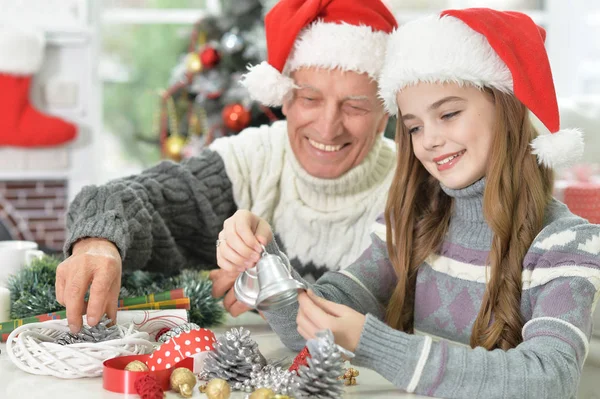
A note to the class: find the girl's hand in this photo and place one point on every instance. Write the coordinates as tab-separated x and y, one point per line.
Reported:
317	314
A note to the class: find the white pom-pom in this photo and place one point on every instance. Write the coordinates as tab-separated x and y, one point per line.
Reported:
21	49
559	149
267	85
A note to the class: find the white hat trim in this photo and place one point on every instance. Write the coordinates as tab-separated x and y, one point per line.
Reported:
560	149
437	50
323	45
21	50
339	46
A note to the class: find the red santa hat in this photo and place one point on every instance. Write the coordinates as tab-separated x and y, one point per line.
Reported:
349	35
483	47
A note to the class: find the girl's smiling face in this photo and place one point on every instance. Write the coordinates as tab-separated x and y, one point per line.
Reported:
451	130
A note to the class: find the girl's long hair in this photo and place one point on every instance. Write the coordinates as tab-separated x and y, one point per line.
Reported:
418	213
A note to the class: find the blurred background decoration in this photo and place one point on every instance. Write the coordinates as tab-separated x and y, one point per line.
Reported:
171	89
170	69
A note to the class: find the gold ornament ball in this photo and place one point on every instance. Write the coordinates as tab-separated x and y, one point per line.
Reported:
174	146
183	381
350	381
351	372
193	63
136	365
218	389
262	393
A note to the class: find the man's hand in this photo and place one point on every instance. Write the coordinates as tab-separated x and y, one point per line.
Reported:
316	314
94	261
239	248
239	245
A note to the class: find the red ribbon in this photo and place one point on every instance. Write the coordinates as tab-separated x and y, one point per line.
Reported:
116	379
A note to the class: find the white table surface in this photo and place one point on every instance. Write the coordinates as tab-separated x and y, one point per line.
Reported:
15	383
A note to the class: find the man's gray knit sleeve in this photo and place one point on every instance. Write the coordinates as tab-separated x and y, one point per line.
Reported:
164	219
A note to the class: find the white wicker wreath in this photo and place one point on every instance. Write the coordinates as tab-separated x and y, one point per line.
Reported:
33	349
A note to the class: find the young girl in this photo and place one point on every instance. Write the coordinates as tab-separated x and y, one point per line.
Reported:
473	249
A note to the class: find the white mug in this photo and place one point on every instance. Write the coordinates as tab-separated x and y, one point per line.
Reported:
14	256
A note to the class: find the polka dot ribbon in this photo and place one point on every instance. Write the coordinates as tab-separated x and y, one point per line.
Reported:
180	347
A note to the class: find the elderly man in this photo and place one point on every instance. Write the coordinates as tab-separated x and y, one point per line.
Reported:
319	178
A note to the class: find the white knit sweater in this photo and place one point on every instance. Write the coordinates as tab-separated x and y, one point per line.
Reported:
323	222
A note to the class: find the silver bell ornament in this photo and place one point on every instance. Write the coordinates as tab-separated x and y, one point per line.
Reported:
267	286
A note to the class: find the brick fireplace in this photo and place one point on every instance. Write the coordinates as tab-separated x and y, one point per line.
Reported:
34	210
34	195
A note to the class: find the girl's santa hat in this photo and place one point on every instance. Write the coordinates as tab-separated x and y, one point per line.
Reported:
349	35
483	47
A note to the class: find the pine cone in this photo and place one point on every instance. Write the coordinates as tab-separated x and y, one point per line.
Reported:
320	379
235	357
99	333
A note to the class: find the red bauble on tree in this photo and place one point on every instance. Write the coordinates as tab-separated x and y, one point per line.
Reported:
210	57
236	117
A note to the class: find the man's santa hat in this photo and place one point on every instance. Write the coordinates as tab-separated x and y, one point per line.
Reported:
483	47
349	35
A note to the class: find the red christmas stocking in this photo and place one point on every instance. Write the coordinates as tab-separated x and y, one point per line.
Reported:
21	125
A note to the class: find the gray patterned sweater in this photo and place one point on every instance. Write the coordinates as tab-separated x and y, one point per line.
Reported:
168	217
561	281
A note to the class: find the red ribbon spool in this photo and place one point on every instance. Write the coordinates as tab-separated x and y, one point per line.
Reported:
116	379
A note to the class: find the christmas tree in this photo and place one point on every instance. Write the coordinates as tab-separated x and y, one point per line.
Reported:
204	99
175	88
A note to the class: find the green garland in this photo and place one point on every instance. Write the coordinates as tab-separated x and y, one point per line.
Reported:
32	291
205	310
